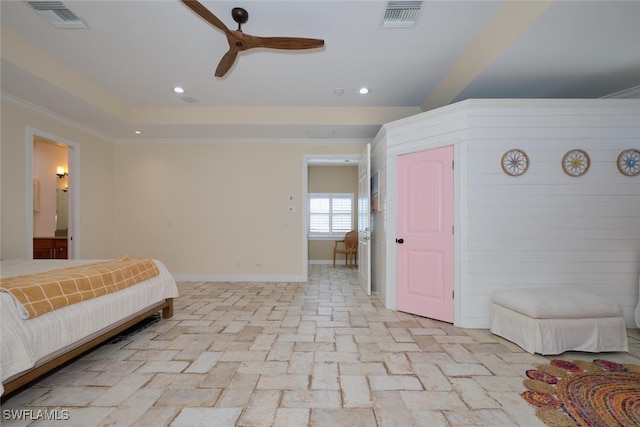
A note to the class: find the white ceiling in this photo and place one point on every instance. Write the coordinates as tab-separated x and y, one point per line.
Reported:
117	76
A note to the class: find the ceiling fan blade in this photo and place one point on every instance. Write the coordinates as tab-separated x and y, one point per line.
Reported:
239	41
226	62
290	43
206	14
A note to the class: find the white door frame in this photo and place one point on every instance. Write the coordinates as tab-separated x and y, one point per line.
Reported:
364	219
74	192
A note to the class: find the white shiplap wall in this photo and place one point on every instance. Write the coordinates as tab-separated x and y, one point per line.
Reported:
543	228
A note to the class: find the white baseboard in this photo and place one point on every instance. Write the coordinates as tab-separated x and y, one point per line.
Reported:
249	277
237	278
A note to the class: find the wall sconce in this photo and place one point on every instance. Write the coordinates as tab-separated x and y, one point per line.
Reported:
60	172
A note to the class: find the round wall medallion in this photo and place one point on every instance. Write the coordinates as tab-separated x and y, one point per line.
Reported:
576	162
515	162
629	162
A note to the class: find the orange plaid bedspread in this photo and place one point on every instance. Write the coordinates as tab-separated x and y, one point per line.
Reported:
47	291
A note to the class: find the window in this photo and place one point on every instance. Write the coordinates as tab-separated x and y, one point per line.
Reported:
330	214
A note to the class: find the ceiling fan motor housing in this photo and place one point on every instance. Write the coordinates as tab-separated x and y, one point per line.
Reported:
239	15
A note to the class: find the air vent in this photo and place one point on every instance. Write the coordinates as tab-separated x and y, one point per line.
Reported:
401	14
57	14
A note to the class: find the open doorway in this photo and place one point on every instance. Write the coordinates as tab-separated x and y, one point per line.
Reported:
316	169
334	188
52	165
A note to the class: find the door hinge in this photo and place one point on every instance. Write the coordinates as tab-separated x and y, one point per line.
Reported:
453	164
453	294
453	229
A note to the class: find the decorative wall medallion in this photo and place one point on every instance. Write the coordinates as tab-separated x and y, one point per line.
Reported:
629	162
576	162
515	162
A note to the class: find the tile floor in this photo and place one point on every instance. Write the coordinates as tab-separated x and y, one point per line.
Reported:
288	354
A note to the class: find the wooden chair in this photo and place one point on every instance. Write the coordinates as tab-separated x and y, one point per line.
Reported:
348	246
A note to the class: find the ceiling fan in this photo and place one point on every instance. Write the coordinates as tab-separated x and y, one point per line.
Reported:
239	41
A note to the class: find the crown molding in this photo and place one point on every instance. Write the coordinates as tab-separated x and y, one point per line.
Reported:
53	116
632	92
75	125
298	141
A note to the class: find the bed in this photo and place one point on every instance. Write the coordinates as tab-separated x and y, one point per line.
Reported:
33	346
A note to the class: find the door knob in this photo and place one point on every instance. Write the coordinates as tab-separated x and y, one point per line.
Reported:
399	241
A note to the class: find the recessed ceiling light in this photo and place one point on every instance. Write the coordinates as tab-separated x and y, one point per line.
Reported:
138	132
363	91
178	89
339	91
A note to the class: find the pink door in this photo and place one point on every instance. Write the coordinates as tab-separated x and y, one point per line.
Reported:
425	233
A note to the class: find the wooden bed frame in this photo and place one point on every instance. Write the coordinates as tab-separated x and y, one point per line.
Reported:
28	376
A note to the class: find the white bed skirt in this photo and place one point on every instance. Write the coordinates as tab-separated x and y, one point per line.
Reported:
555	336
637	312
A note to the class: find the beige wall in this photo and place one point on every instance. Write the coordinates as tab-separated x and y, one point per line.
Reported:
331	179
210	209
216	210
96	188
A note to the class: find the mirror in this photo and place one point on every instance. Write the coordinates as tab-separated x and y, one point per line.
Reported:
62	217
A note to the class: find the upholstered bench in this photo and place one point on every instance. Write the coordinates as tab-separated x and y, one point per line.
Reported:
554	320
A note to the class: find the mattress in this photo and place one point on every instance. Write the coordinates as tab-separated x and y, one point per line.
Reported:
557	304
26	343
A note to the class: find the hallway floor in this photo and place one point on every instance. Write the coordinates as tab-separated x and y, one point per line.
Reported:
320	353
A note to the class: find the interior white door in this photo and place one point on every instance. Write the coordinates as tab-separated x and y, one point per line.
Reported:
364	219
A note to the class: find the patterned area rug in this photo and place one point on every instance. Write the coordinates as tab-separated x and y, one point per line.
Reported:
578	393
